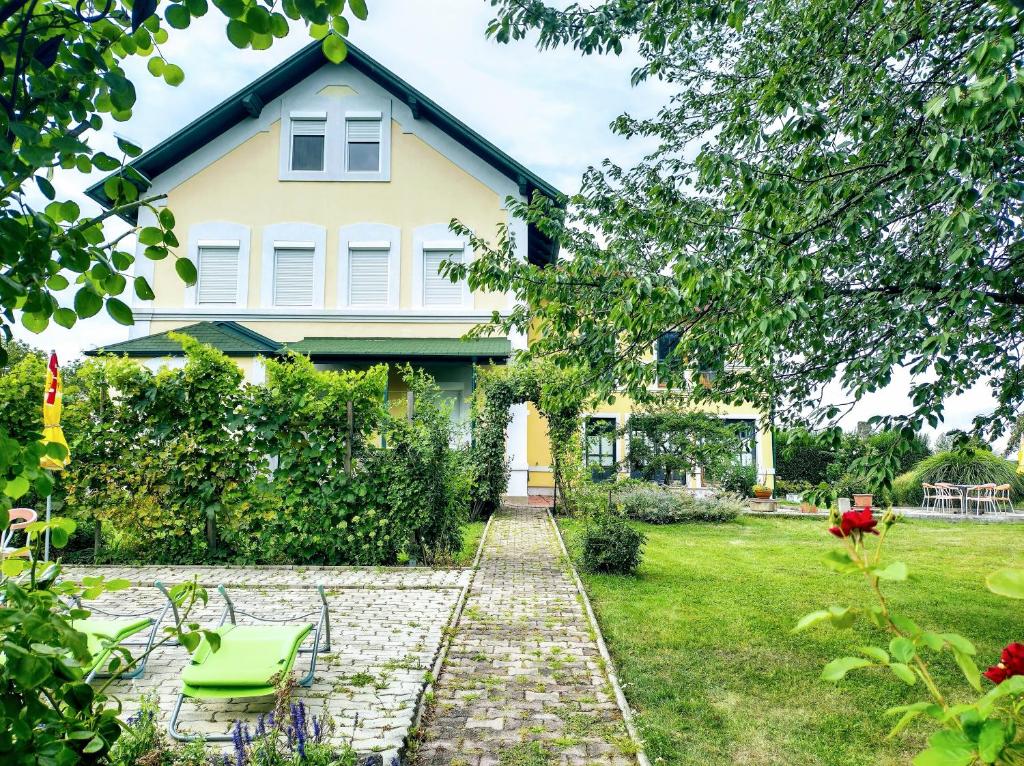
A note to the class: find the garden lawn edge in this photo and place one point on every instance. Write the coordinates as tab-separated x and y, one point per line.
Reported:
609	666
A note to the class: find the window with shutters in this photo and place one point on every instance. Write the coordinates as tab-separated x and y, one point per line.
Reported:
362	145
293	275
218	274
368	279
309	140
439	290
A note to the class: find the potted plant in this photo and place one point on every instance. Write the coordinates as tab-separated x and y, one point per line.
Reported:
808	507
862	499
761	492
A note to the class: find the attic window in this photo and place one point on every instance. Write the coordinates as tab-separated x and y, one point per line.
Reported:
362	144
309	136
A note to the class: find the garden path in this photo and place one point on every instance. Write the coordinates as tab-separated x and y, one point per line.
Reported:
523	680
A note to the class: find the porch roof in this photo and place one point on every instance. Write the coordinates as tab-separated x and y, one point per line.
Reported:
401	348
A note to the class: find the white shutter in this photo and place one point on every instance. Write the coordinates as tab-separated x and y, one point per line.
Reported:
309	127
218	275
363	131
293	276
368	277
438	290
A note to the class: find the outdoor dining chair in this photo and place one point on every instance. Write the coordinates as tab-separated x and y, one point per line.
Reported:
1002	497
949	497
250	660
19	518
982	496
930	495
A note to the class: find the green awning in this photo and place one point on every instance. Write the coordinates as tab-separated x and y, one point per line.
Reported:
401	348
231	338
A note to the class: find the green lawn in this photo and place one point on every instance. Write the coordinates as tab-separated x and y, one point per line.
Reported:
701	637
470	542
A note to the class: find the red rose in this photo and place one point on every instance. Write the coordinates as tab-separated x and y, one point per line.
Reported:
1011	663
860	520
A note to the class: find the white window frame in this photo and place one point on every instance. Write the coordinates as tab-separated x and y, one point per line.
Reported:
438	236
282	235
370	236
335	112
220	234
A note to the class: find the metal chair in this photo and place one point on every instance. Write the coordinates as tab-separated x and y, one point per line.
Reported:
19	519
1002	497
930	495
982	495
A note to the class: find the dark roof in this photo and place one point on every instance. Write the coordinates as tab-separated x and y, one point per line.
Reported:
230	337
401	348
249	101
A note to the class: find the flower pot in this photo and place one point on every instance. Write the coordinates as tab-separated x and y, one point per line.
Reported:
861	501
762	494
808	508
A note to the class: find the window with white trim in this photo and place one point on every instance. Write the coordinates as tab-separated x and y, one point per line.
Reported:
308	143
362	145
217	266
293	274
369	280
439	290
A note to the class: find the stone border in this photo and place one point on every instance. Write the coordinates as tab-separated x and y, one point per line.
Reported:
446	642
609	666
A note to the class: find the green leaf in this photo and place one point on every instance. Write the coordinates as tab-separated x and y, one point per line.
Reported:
119	311
810	619
838	668
1007	582
143	290
359	9
839	561
166	218
334	48
902	649
991	740
173	75
16	487
841	617
896	571
186	270
904	673
946	748
970	670
958	642
155	65
177	16
876	653
239	33
65	317
35	321
151	235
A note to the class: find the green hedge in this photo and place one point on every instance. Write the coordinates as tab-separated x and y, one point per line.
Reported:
192	465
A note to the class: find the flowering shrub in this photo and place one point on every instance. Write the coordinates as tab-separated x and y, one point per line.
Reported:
986	730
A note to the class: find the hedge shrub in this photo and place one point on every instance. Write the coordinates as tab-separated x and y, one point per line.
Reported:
612	546
659	506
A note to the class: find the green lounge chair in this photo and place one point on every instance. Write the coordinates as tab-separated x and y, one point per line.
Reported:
106	630
249	659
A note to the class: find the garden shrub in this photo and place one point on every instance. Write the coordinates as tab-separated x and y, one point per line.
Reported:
738	479
612	546
660	506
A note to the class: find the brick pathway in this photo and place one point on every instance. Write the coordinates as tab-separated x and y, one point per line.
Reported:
523	682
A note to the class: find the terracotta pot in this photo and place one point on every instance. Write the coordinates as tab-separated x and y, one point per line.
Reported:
762	494
861	501
808	508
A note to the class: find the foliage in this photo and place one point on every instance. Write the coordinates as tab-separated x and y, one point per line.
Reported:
737	479
611	545
801	185
985	730
48	714
667	440
800	457
558	394
64	78
654	505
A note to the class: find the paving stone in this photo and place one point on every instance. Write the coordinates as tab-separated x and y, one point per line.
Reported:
522	654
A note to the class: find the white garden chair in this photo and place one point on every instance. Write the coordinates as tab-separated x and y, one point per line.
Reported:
930	494
949	498
982	496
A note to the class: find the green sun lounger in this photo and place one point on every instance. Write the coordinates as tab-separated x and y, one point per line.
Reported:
250	659
105	631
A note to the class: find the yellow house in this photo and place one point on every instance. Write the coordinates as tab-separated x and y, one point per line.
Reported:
315	204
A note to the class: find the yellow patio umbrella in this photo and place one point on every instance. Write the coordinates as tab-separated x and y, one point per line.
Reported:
52	432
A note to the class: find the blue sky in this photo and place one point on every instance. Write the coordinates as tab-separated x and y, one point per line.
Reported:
550	110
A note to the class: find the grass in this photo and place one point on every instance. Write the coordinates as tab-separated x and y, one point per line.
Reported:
701	637
471	533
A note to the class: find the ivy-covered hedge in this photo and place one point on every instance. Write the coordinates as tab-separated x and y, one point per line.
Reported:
193	465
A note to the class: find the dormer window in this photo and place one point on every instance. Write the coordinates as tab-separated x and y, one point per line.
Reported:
308	142
362	144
